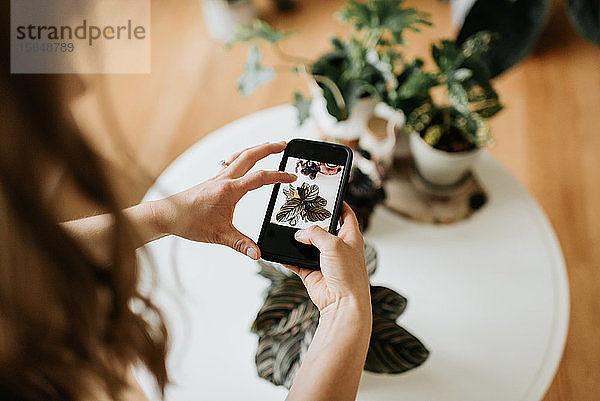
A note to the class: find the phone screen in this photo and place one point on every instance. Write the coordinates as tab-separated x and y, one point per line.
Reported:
313	199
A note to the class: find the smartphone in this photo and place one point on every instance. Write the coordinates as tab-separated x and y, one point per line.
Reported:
315	197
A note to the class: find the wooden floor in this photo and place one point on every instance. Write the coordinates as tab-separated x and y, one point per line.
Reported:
548	136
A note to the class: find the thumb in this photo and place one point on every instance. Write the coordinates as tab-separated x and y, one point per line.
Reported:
316	236
241	243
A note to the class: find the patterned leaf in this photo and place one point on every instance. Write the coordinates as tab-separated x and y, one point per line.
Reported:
289	210
288	320
272	271
320	201
317	213
387	303
287	306
290	192
393	349
308	192
370	258
278	358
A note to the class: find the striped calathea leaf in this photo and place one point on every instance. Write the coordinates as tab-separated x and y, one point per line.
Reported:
304	203
387	303
393	349
287	321
285	325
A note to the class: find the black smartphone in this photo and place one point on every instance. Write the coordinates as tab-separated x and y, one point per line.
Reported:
315	197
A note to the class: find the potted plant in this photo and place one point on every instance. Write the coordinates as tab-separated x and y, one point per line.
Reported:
345	83
446	138
223	16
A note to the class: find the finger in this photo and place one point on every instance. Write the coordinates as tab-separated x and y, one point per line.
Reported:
293	269
248	158
240	243
259	178
318	237
305	273
235	155
350	230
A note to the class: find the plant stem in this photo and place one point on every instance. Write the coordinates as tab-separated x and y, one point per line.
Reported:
446	116
283	68
289	57
337	94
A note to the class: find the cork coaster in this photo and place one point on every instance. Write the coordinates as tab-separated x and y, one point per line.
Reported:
410	195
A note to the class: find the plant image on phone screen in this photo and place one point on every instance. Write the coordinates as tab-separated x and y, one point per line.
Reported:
311	198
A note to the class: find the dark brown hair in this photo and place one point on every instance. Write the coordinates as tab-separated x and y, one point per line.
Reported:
67	327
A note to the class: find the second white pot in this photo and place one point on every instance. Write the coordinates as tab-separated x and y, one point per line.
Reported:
440	167
348	131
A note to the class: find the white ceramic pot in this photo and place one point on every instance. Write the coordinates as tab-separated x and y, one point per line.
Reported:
222	17
459	10
380	137
348	131
439	167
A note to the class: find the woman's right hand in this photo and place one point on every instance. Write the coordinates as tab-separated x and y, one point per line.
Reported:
342	284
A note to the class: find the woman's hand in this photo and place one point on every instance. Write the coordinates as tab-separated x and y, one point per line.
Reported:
342	283
204	213
332	366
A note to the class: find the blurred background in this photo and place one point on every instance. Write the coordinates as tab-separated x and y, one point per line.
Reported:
547	135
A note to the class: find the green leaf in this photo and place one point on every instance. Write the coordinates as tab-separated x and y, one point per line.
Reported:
258	30
474	128
478	44
347	66
447	55
255	74
458	97
585	16
302	105
462	74
432	135
377	18
417	83
420	117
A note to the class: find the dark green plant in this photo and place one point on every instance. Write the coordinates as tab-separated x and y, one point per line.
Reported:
471	98
352	69
519	24
585	16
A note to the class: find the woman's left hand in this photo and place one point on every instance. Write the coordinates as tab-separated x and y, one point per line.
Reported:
204	213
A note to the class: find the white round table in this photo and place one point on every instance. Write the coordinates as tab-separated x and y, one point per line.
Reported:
488	296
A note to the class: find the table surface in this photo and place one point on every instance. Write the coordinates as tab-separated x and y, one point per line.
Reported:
488	296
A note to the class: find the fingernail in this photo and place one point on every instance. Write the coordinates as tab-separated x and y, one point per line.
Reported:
251	252
294	176
299	235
